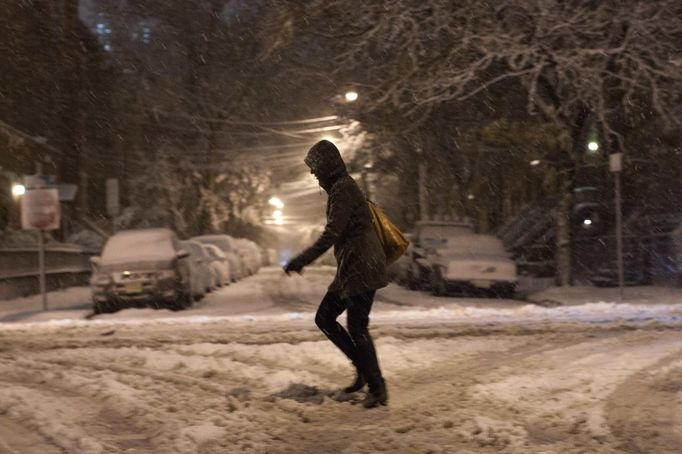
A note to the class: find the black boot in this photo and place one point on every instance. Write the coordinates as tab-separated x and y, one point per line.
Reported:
377	396
357	385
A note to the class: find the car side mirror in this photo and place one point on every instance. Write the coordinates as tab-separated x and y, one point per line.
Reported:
182	254
95	261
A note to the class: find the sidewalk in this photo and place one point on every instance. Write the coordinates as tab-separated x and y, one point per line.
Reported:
66	302
572	296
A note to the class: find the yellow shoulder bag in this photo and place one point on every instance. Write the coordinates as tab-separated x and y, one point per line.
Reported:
392	239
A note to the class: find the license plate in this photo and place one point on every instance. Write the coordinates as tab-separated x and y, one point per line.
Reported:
481	283
134	287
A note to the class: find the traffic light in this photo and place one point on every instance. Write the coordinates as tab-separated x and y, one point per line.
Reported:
589	212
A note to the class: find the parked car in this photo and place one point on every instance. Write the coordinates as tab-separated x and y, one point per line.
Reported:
219	264
272	257
141	267
215	272
249	254
202	275
226	244
449	256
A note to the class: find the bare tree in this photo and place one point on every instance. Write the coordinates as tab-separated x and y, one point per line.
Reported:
612	64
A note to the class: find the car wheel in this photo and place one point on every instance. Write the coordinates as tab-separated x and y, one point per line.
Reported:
438	285
506	292
187	300
182	300
104	307
411	281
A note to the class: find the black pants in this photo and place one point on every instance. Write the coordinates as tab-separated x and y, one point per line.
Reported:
356	343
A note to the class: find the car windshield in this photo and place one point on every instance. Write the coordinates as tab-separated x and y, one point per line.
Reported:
473	246
191	248
214	252
139	245
224	243
436	236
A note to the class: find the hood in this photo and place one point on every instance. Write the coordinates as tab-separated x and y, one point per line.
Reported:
325	161
135	265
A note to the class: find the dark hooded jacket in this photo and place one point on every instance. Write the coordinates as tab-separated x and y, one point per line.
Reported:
361	263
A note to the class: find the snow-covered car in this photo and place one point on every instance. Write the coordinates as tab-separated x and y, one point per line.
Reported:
215	271
271	256
472	262
137	267
249	254
448	255
201	273
226	244
219	263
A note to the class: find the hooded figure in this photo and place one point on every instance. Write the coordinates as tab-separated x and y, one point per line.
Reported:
361	268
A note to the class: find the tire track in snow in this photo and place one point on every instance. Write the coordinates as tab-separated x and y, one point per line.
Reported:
645	412
70	420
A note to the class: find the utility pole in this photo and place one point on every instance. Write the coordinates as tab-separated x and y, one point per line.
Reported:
423	189
616	167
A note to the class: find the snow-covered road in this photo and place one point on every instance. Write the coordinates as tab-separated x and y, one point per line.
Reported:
246	371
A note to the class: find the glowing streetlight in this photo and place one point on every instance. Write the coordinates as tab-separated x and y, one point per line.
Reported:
471	197
277	217
535	162
351	96
276	202
587	222
593	146
18	190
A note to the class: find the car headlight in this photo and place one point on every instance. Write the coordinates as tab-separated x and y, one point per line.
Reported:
166	274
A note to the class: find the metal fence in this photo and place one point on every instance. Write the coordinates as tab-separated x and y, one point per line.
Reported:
64	267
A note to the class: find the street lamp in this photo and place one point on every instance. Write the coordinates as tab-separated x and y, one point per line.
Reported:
276	202
593	146
351	96
277	215
18	190
535	162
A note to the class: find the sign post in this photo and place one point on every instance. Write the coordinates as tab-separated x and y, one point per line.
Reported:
616	167
40	211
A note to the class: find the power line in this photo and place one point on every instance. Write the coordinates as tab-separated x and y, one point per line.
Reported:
248	123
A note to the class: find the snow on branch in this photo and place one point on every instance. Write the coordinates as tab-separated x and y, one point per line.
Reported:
616	59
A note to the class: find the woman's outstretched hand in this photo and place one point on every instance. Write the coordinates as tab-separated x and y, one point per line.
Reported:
295	266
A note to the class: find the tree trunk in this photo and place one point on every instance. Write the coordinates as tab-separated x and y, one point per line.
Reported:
563	234
71	105
423	191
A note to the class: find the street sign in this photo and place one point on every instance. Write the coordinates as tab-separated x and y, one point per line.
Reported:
40	209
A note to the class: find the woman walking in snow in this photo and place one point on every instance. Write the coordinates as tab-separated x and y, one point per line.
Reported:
361	269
